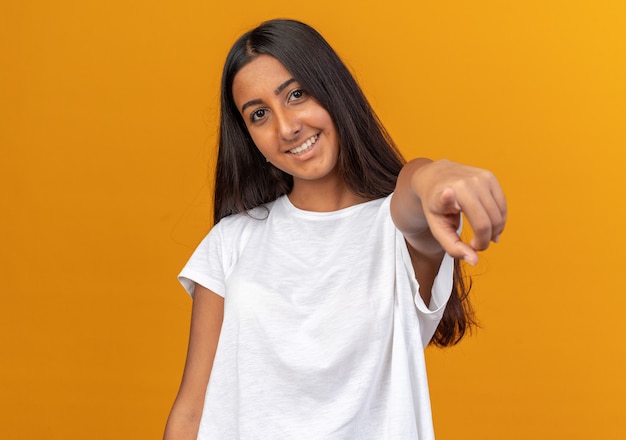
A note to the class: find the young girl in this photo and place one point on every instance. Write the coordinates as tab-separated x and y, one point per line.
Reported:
331	265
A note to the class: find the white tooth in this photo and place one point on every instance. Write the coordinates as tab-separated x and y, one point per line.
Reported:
305	145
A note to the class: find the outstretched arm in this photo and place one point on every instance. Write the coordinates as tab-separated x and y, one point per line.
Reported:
426	207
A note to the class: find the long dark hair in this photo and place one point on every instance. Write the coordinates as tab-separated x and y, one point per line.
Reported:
368	158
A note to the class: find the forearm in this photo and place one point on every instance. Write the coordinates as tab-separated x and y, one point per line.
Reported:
408	214
182	424
206	323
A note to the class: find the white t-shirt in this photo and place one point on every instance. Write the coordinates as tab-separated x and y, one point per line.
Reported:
324	328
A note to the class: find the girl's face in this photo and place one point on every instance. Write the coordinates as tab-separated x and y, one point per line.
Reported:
288	126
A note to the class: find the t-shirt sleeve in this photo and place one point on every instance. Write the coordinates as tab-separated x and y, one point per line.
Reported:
430	315
205	267
441	290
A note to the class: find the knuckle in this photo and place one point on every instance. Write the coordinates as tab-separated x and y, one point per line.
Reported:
482	228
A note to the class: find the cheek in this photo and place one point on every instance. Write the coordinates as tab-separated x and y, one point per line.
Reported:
329	127
261	140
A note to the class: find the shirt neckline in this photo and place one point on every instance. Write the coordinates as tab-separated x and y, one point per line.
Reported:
343	212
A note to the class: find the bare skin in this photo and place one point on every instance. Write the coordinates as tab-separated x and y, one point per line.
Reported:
426	207
206	324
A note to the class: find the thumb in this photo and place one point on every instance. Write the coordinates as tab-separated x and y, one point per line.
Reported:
449	202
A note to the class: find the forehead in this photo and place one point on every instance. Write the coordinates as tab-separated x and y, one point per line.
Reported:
259	78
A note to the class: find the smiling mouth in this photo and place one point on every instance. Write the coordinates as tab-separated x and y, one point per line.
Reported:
306	145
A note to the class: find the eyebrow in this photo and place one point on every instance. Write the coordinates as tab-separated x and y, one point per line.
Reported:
279	89
250	104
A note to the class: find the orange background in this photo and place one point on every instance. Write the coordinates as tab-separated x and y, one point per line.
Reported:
107	133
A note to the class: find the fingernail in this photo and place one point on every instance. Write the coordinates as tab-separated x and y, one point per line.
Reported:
470	260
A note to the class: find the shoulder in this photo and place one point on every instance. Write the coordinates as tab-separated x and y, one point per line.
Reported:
233	225
229	236
380	208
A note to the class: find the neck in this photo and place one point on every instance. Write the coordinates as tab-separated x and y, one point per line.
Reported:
320	196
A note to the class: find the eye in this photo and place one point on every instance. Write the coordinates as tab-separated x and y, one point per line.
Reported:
297	94
257	115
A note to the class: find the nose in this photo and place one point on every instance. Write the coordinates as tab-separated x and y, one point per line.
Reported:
288	124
